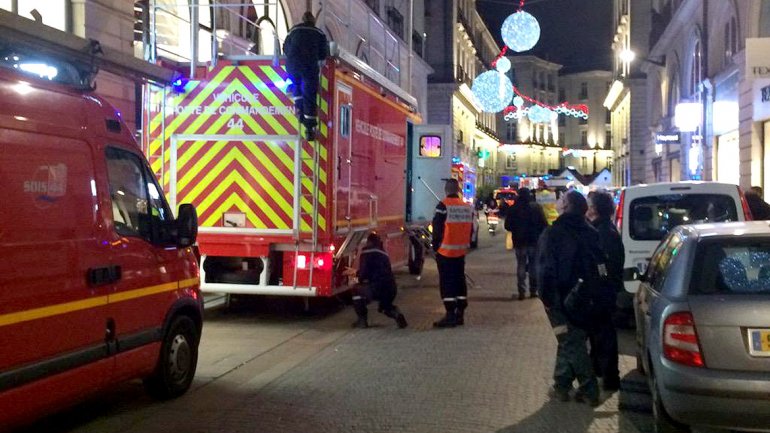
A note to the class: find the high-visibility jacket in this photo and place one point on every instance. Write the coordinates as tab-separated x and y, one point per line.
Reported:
457	227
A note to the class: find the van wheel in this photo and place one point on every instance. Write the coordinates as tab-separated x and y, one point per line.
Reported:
178	359
663	421
416	257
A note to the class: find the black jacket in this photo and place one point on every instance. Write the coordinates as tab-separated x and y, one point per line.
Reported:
561	261
375	270
526	221
614	252
304	47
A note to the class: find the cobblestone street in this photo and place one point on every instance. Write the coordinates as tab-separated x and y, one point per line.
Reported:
262	373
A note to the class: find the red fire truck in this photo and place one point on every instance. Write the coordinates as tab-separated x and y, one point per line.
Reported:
279	215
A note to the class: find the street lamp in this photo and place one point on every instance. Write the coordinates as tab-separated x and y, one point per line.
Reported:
627	55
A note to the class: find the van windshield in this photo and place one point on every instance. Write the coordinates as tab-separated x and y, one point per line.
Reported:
652	217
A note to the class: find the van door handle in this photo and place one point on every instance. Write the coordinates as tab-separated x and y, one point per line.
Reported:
104	275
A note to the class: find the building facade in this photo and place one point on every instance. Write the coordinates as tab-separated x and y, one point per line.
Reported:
587	143
627	97
535	149
380	32
530	149
708	97
459	47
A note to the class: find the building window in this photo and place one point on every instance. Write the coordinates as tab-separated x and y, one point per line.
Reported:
562	120
373	5
731	40
608	140
510	132
53	13
510	162
696	75
583	121
562	95
608	117
584	138
396	21
583	91
562	138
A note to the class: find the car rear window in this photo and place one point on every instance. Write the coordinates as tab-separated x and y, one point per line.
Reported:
732	266
652	217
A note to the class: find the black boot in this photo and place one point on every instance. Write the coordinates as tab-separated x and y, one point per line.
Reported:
462	304
395	314
359	305
450	319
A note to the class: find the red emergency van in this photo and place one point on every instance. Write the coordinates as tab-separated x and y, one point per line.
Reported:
98	280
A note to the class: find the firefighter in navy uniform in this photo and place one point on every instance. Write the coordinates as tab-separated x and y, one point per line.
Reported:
306	48
375	282
452	224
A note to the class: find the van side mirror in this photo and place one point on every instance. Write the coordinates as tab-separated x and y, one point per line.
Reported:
186	225
632	274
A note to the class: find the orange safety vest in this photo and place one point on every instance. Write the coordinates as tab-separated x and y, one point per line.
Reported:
457	228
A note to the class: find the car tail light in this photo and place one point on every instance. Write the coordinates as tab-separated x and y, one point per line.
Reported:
680	341
746	210
619	211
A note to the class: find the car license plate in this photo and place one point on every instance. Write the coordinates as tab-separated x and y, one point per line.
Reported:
759	342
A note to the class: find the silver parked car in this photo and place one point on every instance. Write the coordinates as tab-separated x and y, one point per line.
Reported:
703	327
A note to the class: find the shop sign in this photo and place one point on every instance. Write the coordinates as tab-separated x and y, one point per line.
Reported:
757	58
765	91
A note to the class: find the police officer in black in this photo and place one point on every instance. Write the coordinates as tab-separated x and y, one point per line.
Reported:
375	282
306	48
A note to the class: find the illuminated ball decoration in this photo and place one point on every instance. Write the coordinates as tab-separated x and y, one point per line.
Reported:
503	65
493	91
520	31
538	114
518	102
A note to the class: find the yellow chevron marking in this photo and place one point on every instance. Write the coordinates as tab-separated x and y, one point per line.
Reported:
274	100
234	200
210	88
235	155
176	98
253	195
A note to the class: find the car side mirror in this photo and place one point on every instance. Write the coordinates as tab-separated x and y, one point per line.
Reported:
186	226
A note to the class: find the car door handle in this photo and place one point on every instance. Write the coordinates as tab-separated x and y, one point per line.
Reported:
104	275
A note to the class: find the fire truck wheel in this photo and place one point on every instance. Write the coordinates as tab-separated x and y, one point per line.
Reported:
416	257
177	362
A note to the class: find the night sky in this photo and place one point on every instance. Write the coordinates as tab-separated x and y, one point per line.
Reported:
575	33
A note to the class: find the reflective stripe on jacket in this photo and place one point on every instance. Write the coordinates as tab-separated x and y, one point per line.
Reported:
457	228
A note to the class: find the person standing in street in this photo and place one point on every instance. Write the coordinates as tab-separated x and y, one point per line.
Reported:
306	48
760	210
526	222
603	336
452	224
375	281
561	268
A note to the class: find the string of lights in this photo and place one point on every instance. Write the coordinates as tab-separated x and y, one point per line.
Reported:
494	91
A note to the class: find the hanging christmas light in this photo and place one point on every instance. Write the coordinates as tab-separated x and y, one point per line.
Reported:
493	91
520	31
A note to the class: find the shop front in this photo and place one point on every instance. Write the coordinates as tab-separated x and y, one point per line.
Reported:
726	152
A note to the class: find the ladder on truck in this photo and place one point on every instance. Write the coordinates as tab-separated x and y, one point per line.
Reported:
311	157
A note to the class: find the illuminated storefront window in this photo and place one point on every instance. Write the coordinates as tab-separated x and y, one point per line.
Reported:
53	13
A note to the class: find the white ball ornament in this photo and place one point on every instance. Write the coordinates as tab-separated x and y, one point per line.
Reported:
520	31
503	65
518	101
493	91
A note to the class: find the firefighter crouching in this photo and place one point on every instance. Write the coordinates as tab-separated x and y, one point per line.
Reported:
306	48
375	282
452	225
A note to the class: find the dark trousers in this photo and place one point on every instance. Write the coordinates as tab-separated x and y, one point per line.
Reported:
451	281
573	363
604	349
305	93
525	264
